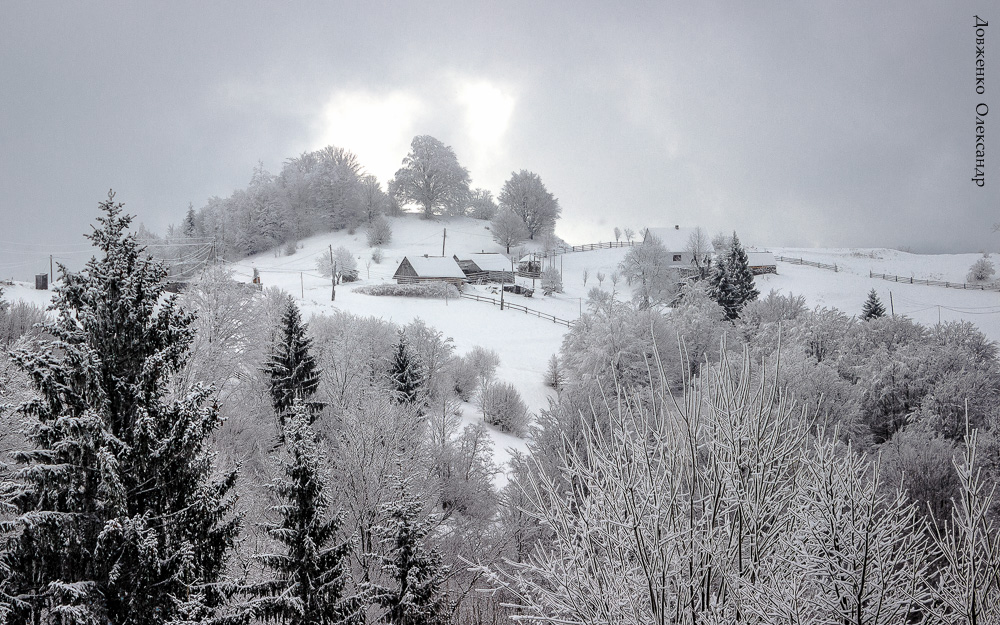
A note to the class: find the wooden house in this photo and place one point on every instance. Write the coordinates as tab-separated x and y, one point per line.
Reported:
429	269
676	241
761	262
486	267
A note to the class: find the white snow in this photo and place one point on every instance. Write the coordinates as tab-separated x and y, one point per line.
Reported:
525	343
435	267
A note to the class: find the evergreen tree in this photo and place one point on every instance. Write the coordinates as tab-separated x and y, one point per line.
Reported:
740	275
292	368
190	227
114	517
310	581
731	284
722	290
413	594
873	308
405	373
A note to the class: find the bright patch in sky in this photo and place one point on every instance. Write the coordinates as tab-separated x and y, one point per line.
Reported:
376	127
488	111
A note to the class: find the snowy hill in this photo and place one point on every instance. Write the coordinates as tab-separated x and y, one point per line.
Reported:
525	343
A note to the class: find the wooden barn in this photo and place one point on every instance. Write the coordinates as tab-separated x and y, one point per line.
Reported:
761	262
429	269
486	268
675	240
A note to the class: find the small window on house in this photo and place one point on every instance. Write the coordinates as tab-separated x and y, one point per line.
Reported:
677	258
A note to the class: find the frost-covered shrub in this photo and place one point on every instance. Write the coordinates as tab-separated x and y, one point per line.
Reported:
774	308
17	320
423	289
343	260
483	362
377	255
551	282
554	375
981	270
291	247
503	407
920	462
379	231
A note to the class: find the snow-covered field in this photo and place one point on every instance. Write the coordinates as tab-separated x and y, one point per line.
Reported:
525	343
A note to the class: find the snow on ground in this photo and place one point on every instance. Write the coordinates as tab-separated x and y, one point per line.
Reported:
848	288
525	343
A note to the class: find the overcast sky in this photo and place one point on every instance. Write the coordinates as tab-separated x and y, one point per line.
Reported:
808	124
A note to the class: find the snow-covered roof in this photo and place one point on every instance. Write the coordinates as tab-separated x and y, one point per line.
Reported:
676	239
435	267
490	262
760	259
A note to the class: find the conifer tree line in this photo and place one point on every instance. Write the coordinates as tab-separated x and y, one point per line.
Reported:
330	190
213	457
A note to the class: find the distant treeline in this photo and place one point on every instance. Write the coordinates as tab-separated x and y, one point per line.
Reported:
329	190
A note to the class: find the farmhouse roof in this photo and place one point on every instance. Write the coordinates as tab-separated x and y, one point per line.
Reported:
760	259
435	267
675	239
490	262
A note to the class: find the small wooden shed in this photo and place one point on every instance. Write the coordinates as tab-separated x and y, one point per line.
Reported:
429	269
761	262
486	267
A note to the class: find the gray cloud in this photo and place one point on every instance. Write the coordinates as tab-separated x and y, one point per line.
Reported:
835	124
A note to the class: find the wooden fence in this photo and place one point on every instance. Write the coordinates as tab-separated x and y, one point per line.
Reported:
799	261
586	247
507	304
948	285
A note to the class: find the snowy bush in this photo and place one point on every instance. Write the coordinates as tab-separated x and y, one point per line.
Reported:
503	407
291	247
377	255
17	320
343	260
379	231
981	270
474	371
424	289
551	282
554	375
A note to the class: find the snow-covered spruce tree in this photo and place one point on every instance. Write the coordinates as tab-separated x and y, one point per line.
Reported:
310	581
412	589
873	308
731	284
724	292
405	373
740	275
113	515
292	368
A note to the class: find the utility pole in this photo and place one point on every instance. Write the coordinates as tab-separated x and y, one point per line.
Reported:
52	276
892	309
444	237
333	277
302	285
